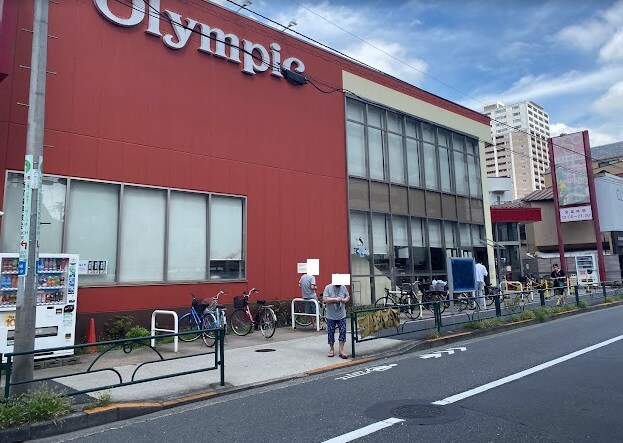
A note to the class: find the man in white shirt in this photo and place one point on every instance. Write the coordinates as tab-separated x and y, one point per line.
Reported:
481	273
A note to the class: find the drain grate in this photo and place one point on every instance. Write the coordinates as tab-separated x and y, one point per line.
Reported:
419	412
265	350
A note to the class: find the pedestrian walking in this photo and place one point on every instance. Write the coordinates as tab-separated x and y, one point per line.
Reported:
335	298
481	273
559	278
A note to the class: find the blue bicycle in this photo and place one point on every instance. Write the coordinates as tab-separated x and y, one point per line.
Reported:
200	321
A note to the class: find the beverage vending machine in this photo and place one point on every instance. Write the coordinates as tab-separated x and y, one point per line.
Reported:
587	269
57	292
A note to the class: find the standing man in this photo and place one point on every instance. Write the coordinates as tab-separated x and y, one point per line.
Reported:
335	298
308	292
481	273
559	277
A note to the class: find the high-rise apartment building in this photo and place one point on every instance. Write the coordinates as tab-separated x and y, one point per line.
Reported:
519	149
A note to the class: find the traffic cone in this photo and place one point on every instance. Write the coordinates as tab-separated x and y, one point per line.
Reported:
91	336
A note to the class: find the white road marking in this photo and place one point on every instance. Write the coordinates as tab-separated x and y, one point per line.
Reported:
438	353
518	375
362	432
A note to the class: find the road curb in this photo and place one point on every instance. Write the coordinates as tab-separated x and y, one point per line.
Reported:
122	411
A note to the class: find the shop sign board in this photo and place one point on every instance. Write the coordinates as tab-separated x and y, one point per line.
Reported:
212	41
576	213
571	173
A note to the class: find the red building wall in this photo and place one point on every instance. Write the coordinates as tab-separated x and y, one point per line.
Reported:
122	106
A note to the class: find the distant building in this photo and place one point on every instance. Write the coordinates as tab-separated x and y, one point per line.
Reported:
519	149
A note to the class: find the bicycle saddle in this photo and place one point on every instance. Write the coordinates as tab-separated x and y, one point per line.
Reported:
260	302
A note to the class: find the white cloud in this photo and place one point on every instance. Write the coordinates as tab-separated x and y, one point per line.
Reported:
613	50
611	103
596	136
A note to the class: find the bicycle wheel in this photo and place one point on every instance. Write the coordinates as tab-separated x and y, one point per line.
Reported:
267	322
411	309
209	322
189	326
240	323
384	302
461	303
302	320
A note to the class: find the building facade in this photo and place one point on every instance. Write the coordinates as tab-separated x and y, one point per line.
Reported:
193	159
519	148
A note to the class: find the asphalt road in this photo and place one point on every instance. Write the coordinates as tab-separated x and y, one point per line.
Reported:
556	381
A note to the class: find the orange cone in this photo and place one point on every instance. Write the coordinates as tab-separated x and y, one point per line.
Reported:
91	336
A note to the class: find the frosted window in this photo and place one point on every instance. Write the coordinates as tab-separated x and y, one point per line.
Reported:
396	158
413	162
445	171
356	147
92	226
226	229
187	236
450	234
417	233
380	244
430	166
434	233
142	235
377	160
466	234
354	110
460	174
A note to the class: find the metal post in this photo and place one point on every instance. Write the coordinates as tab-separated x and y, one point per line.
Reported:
577	295
7	379
498	308
437	312
29	246
542	296
221	346
603	288
353	332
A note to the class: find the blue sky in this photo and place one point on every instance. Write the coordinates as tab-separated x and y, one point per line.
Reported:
565	55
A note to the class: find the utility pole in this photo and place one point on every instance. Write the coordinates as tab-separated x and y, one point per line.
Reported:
26	305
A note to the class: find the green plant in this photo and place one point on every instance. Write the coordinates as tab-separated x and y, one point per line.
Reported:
608	300
432	333
583	305
103	399
485	324
527	315
515	318
137	332
40	405
282	311
117	327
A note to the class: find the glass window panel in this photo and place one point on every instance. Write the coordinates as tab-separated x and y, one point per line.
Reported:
356	148
355	110
443	137
52	213
475	235
396	158
445	171
377	159
417	233
419	252
359	247
458	142
430	166
375	116
460	173
428	133
472	147
394	122
380	244
142	235
226	236
434	233
413	162
411	128
465	234
472	171
450	234
187	237
402	251
92	226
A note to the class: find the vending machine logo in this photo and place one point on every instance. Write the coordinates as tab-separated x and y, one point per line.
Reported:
8	320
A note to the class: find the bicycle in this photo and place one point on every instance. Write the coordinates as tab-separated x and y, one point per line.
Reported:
215	320
429	297
307	320
191	325
242	321
404	300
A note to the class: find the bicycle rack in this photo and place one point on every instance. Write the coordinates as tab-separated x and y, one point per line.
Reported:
317	314
154	329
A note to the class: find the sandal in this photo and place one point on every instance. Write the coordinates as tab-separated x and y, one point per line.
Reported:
331	354
344	356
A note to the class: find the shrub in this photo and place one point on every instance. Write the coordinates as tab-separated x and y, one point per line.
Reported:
527	315
118	327
103	399
136	332
515	318
432	333
485	324
40	405
583	305
282	311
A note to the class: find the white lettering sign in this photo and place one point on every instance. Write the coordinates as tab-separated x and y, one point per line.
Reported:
367	371
256	58
576	213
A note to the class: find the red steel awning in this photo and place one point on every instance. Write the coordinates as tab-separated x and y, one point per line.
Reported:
516	215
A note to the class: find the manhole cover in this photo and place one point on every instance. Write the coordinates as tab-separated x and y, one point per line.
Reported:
265	350
420	412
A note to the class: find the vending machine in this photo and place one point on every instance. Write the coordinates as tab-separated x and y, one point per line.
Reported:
587	270
57	292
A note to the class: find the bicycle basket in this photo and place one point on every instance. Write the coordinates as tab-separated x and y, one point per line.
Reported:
240	301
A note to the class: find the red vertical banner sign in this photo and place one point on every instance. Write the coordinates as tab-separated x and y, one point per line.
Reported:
574	188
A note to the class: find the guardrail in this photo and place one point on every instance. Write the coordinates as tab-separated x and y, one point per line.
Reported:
305	300
127	345
504	304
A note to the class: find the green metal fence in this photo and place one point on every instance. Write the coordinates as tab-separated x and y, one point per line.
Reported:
127	345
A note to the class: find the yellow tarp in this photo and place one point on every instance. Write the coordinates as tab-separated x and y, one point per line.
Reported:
376	321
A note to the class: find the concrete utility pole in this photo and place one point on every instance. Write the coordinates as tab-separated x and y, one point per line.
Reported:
29	246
